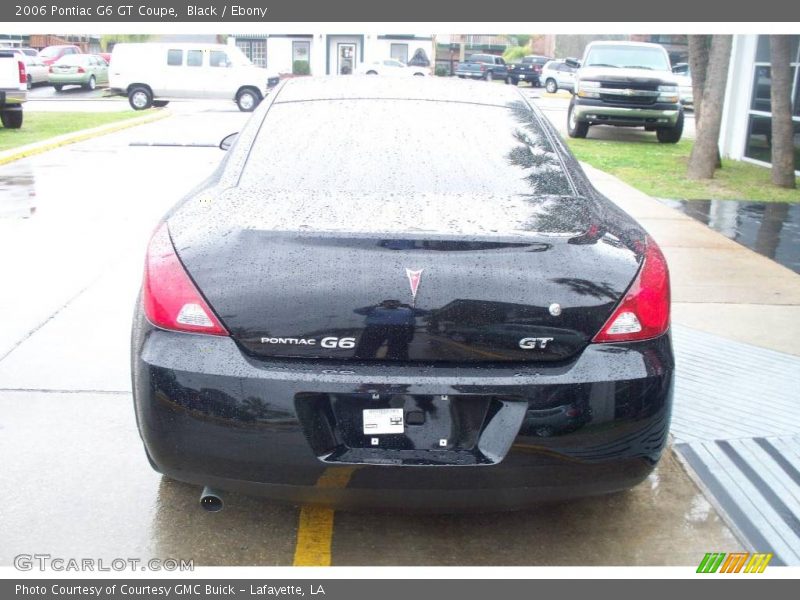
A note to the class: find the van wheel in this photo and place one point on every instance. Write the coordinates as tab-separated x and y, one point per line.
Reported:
160	103
551	86
575	128
92	83
372	72
140	97
247	100
11	119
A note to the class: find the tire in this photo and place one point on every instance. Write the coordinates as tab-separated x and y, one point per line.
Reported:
140	97
575	128
30	82
58	87
671	135
160	103
508	80
91	84
489	76
551	86
419	74
11	119
247	99
372	72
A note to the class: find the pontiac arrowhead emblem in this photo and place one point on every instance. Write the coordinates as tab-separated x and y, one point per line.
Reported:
414	278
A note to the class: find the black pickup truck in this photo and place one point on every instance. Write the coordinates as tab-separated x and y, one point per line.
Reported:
527	70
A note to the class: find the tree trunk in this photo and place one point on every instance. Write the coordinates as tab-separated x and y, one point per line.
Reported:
698	62
705	153
782	126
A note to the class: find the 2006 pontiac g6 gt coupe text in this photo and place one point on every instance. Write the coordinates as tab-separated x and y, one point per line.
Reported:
412	281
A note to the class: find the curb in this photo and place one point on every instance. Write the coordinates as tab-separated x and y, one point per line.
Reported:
78	136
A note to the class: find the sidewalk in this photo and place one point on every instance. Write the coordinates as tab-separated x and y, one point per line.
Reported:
718	286
736	414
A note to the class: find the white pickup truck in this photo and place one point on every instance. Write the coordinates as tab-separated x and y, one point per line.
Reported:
13	88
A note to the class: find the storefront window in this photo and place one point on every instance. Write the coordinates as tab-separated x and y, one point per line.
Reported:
399	52
255	50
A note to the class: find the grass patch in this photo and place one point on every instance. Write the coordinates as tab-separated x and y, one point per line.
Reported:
660	170
37	127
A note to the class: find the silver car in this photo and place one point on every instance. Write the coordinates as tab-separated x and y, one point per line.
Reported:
558	75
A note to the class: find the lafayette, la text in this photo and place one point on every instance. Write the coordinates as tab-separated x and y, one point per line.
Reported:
180	589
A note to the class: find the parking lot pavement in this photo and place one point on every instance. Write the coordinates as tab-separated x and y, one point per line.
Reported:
554	107
77	482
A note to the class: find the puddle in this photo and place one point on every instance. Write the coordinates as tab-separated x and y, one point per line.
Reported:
769	228
17	193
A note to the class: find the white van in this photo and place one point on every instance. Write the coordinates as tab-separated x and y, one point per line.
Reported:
152	74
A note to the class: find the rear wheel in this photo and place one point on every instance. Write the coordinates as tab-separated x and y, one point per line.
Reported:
575	128
419	74
91	84
671	135
489	76
11	119
551	86
372	72
30	82
140	97
247	99
58	87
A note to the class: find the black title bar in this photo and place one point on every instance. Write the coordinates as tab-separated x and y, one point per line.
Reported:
282	11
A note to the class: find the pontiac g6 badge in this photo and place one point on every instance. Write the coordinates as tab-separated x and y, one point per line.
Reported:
414	278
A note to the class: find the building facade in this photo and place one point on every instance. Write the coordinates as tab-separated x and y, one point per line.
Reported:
330	54
747	116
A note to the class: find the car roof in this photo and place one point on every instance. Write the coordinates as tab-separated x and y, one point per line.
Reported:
624	43
414	88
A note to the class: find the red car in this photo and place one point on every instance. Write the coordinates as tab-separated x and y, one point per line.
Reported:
51	54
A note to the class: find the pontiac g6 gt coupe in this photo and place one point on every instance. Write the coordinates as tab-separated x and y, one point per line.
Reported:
411	287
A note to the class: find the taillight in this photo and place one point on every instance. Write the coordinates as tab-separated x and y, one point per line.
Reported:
644	311
171	300
81	70
23	75
52	70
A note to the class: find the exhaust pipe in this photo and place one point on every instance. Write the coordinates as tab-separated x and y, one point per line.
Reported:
211	499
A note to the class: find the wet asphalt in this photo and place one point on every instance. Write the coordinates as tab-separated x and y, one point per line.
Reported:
73	227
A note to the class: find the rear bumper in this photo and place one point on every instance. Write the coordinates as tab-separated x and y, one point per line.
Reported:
12	98
209	415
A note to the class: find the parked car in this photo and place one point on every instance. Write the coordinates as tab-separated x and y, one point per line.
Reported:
391	68
558	75
29	51
683	76
37	71
483	66
626	84
51	54
528	70
301	315
85	70
13	88
152	74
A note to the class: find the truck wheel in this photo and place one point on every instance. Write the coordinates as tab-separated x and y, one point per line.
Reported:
11	119
671	135
247	100
575	128
551	86
489	76
140	97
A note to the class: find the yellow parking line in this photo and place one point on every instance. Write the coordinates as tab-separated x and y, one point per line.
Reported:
315	524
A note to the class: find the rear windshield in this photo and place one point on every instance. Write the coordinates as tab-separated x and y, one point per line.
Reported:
404	147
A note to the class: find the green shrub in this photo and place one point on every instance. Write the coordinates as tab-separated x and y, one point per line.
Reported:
301	67
441	71
515	53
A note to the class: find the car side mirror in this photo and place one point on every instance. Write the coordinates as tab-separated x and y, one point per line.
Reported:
228	140
571	62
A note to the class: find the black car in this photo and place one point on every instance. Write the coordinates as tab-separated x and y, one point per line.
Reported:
528	70
413	284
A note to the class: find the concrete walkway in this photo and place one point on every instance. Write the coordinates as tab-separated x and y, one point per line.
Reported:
736	417
718	286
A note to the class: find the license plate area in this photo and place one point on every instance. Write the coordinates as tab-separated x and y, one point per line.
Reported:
406	429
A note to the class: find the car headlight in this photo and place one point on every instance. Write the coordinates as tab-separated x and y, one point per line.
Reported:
668	93
589	89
